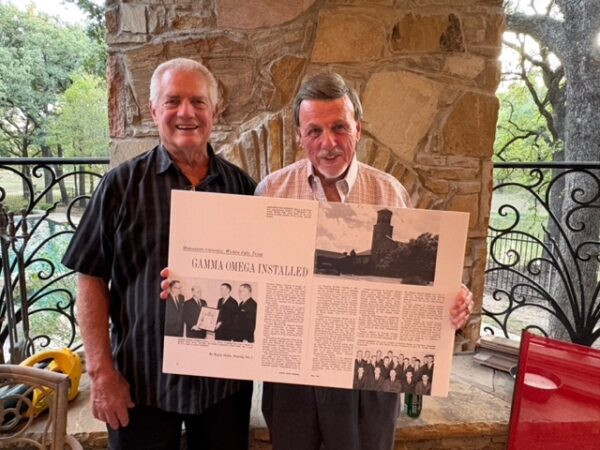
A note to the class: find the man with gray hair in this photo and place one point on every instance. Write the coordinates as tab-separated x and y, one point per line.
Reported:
118	250
327	114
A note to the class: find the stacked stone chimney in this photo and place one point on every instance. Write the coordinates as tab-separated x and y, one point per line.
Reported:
426	72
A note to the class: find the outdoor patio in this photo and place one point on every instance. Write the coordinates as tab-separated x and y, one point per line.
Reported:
473	417
525	260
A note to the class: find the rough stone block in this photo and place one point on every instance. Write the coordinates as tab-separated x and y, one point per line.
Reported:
489	78
448	173
286	73
274	143
361	2
482	30
233	153
366	150
383	160
416	33
112	21
348	37
133	18
180	18
122	150
471	126
126	38
409	179
469	187
116	99
473	28
237	78
250	153
463	161
465	66
398	171
494	28
437	186
291	149
425	201
400	108
466	203
292	39
258	13
156	19
429	159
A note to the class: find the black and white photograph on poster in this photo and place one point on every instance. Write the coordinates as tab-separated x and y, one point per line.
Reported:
393	372
211	309
376	244
207	320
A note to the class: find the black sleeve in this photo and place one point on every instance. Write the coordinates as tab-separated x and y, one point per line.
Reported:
92	246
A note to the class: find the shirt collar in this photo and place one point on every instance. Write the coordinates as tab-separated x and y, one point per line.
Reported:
164	162
345	185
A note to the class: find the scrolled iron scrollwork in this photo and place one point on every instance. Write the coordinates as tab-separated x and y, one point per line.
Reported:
549	269
34	256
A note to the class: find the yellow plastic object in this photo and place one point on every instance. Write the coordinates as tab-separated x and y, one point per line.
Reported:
63	361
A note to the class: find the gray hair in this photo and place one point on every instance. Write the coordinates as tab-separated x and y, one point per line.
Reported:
184	65
326	86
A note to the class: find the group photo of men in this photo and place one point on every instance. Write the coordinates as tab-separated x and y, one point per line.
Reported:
228	315
393	372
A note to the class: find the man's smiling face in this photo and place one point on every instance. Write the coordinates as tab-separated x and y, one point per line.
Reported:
183	111
329	134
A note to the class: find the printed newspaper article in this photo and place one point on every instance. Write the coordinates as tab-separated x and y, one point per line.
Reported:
326	294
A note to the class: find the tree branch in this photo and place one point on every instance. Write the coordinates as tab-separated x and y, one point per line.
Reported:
543	63
541	106
511	141
549	32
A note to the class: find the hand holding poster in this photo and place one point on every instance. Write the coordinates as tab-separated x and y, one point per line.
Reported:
329	294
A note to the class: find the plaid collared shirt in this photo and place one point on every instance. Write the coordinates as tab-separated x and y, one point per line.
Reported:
362	184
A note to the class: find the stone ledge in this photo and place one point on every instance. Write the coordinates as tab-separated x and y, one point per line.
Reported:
474	416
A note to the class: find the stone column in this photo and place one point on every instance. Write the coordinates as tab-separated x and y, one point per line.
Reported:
426	72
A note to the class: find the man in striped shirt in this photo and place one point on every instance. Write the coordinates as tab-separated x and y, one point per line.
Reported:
118	250
327	115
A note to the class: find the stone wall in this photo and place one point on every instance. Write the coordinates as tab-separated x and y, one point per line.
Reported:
426	71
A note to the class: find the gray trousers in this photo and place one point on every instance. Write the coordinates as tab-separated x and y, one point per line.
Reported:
311	418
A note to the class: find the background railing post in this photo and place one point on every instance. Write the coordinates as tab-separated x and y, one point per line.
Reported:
38	294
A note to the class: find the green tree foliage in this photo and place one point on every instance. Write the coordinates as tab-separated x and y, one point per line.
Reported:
96	30
413	261
563	35
81	125
94	10
522	132
38	56
533	102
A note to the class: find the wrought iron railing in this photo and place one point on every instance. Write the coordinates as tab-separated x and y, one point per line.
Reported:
538	272
543	251
41	200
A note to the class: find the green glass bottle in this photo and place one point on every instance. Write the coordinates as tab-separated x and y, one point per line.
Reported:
413	404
